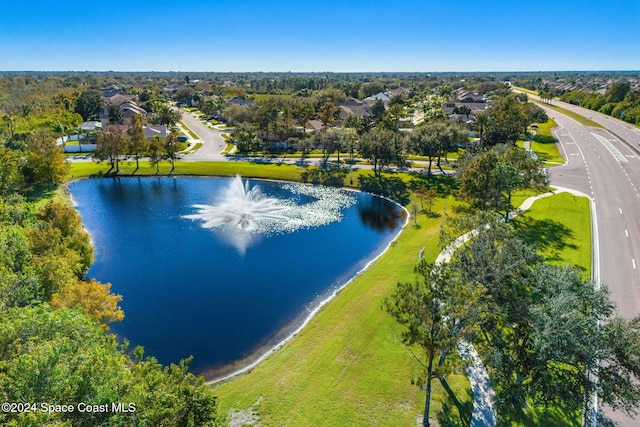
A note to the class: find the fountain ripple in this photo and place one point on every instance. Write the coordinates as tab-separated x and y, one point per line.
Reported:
244	213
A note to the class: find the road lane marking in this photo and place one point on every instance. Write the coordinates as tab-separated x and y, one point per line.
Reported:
612	149
634	263
626	232
620	209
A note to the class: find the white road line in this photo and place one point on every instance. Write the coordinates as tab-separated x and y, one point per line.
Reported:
612	149
626	233
620	209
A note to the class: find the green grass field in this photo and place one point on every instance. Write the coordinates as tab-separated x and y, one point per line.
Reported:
561	227
544	144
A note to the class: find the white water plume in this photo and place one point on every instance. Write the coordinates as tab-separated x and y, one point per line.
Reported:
244	214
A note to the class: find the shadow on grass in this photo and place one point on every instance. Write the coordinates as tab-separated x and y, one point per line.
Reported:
331	177
544	139
388	186
549	417
454	412
549	235
443	185
39	192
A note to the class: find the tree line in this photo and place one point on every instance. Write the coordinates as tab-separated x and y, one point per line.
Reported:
53	320
619	101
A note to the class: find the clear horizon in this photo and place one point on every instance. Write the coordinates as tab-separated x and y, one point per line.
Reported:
329	36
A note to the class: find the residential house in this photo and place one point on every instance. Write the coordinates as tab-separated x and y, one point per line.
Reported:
236	100
398	91
385	97
466	100
315	125
129	109
111	91
152	131
91	126
352	107
127	105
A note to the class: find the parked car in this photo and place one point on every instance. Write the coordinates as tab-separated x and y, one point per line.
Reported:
182	138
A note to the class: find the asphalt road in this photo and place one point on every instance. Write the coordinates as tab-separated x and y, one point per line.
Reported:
601	165
212	141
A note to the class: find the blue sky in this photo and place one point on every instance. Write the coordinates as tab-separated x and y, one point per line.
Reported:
321	35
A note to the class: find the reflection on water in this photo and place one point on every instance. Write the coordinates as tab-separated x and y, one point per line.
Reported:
374	212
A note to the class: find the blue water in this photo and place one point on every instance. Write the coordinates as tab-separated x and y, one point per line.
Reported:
186	291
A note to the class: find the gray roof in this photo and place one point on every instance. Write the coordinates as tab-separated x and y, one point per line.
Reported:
89	126
151	131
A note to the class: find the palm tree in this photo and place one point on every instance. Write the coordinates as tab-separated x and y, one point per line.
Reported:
482	119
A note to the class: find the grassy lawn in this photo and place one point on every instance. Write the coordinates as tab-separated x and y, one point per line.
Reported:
347	367
575	116
249	170
195	147
561	226
544	144
228	148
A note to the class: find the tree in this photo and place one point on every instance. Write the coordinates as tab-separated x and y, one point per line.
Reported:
356	123
64	357
46	164
303	111
488	180
332	140
244	135
534	114
8	118
184	95
435	139
548	336
11	177
378	110
137	140
156	152
111	144
267	113
482	119
507	119
115	115
95	299
617	91
212	105
171	149
165	115
328	114
62	217
382	146
437	310
90	104
235	114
